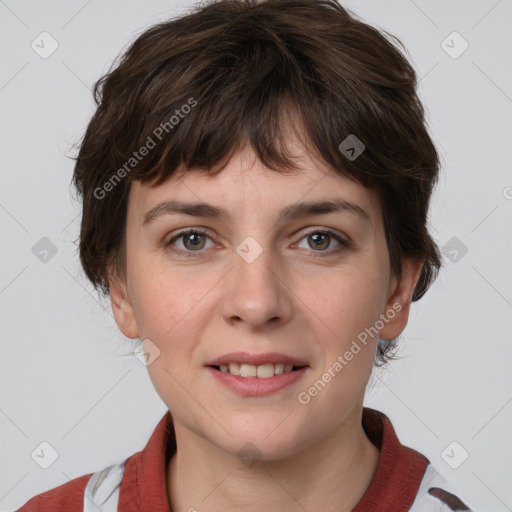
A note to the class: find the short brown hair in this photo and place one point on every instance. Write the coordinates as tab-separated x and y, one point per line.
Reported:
244	69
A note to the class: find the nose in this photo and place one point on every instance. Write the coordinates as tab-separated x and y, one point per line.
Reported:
256	293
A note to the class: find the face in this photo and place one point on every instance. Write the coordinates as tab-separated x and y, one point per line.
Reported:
264	283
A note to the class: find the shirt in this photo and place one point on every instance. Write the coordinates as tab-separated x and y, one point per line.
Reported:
404	479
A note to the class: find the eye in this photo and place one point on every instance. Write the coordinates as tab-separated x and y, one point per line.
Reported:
193	240
321	239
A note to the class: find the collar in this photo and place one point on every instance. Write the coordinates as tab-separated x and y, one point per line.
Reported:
399	472
393	488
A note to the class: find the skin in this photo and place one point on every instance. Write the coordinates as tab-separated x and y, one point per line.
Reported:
295	299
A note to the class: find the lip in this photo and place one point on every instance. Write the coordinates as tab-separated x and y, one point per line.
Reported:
256	359
255	386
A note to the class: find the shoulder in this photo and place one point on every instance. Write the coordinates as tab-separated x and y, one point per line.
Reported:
435	494
88	493
68	496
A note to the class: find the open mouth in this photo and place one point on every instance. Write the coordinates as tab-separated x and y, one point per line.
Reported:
263	371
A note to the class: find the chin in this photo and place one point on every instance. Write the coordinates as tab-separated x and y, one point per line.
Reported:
251	451
266	441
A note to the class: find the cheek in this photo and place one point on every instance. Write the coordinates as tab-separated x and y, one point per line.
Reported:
346	301
166	301
171	316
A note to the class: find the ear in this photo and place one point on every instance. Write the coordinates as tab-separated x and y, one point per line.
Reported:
398	304
122	307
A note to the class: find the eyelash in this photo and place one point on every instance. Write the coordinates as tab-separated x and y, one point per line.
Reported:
344	244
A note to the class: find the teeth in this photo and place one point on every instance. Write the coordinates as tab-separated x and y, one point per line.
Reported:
278	368
248	370
234	368
263	371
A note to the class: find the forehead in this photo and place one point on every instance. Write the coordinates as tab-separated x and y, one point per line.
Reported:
247	187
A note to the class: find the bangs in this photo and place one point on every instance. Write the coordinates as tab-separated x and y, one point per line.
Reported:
197	107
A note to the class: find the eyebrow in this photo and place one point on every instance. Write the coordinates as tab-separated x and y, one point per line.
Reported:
293	211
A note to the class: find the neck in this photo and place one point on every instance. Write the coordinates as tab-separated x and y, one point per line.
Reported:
332	474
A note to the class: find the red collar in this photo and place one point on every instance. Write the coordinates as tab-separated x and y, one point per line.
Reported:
393	487
399	471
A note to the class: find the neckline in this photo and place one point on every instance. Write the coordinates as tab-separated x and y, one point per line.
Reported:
395	482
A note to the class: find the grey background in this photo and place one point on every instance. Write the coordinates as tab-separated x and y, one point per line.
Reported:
64	378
